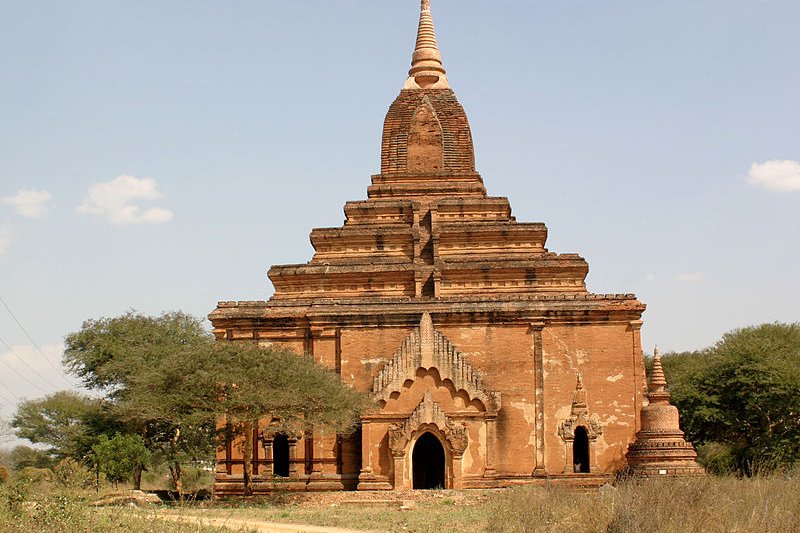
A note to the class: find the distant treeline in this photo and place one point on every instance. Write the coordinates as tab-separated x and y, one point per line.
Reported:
739	400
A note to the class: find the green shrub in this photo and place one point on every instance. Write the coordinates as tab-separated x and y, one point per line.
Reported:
70	474
120	456
14	496
59	512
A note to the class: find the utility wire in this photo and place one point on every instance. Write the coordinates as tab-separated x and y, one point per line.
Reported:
11	392
6	399
27	365
38	348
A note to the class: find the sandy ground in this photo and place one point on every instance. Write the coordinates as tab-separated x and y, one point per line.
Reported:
237	524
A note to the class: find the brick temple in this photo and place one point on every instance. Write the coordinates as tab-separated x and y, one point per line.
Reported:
489	359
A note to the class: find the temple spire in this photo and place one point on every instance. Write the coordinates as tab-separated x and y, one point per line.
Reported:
427	71
658	382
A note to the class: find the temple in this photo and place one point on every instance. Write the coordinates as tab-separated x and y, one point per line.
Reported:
489	360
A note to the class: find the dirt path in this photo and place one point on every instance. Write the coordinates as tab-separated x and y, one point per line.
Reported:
251	524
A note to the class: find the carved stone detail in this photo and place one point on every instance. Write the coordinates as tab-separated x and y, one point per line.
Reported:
427	348
580	417
428	413
566	430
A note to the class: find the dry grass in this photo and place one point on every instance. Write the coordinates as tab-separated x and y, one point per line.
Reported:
702	504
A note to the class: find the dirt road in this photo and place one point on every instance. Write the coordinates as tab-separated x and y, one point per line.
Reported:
241	524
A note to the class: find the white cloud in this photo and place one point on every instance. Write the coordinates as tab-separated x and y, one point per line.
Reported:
116	200
691	277
6	238
29	203
776	175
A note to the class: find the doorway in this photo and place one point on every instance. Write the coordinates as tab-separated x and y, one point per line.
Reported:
280	455
580	451
427	461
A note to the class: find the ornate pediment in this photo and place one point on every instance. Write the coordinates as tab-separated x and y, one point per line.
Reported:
579	416
428	413
427	348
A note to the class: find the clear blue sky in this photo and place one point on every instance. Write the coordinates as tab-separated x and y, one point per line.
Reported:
630	128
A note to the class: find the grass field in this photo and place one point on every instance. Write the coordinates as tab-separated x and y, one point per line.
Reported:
703	504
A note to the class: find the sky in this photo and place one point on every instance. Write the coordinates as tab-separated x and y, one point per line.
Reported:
161	155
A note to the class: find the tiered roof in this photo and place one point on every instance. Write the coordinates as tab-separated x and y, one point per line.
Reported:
428	231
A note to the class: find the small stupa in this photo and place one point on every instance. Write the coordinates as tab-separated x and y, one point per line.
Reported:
661	447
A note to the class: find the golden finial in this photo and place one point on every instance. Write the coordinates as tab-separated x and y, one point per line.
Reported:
427	71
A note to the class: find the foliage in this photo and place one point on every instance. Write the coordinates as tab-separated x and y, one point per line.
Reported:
36	476
67	422
167	377
14	496
64	511
3	474
71	475
120	457
195	479
25	456
740	399
108	353
247	383
121	358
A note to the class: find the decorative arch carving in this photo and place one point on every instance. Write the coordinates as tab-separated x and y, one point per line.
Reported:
427	348
428	413
580	417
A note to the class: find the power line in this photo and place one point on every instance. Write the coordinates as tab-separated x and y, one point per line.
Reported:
5	398
29	368
11	392
52	365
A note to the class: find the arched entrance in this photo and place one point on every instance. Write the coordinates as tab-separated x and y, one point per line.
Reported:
428	461
580	451
280	455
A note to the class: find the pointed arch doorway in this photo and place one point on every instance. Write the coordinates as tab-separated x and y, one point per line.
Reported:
428	463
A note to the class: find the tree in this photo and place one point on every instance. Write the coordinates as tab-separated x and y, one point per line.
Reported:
67	422
120	457
25	456
740	399
246	383
120	357
168	376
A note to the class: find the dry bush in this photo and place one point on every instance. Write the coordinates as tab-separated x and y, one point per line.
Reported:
3	474
665	505
729	504
72	475
550	509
